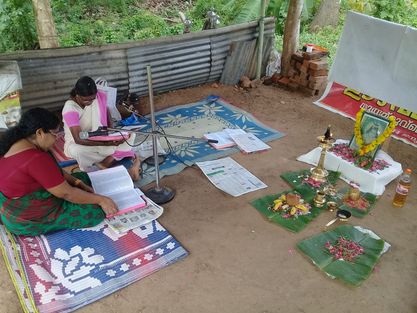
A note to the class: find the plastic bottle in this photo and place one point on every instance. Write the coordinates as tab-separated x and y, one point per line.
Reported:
403	188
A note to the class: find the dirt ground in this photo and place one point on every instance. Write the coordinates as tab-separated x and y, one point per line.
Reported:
238	261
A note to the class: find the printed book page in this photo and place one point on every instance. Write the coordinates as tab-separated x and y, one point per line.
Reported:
111	180
124	222
128	200
223	138
249	143
229	176
115	183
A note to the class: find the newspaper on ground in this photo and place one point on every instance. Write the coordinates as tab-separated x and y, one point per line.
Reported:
249	143
124	222
229	176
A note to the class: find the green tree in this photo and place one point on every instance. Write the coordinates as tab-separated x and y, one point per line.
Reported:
17	26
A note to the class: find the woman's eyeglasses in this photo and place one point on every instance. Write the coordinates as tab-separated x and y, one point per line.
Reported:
54	132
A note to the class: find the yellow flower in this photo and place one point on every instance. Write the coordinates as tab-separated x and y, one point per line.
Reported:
363	149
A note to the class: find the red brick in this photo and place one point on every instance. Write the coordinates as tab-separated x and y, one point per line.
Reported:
315	55
298	56
318	79
275	78
318	64
283	81
317	85
323	72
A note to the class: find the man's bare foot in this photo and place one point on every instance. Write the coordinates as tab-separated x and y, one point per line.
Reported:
134	171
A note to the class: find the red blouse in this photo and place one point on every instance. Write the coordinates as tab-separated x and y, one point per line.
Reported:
28	171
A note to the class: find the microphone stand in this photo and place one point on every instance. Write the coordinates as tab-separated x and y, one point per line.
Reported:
158	194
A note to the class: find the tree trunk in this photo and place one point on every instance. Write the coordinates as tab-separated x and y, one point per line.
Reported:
327	15
45	25
291	34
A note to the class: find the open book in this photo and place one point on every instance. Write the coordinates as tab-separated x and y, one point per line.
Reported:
248	142
116	183
223	138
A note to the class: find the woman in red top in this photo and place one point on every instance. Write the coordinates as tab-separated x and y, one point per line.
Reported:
35	196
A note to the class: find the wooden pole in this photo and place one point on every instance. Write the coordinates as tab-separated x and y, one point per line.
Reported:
261	39
291	34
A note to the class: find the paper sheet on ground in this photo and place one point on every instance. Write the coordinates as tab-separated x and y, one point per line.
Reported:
145	149
223	137
229	176
124	222
249	143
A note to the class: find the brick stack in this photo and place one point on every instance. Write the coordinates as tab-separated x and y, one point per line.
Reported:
308	72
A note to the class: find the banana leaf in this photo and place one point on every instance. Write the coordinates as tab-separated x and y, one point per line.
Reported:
295	179
353	273
357	212
294	224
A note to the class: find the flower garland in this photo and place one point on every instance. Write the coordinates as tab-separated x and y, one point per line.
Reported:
343	151
364	149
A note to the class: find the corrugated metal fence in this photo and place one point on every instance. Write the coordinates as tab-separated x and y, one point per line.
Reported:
177	62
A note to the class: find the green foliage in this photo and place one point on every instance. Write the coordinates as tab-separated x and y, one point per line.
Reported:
100	22
226	9
279	9
17	26
327	37
95	22
398	11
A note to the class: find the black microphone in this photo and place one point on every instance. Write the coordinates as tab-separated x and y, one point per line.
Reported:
101	131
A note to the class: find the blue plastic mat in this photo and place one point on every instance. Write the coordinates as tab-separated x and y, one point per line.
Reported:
196	119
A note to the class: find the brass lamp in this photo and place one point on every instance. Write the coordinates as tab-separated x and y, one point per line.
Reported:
319	173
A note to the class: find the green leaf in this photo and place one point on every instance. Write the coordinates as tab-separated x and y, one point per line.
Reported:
371	198
353	273
295	224
295	179
249	12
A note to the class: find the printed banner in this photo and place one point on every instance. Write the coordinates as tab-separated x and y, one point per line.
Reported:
347	102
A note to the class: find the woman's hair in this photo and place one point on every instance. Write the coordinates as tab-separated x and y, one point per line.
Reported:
84	87
30	122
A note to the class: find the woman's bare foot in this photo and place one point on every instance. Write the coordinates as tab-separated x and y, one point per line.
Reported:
134	171
106	163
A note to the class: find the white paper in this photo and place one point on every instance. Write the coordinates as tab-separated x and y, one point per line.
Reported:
133	219
229	176
145	150
115	183
111	93
111	180
222	140
249	143
128	198
377	57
